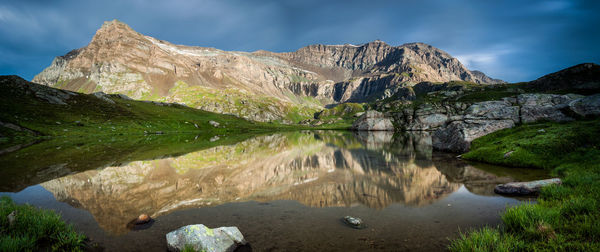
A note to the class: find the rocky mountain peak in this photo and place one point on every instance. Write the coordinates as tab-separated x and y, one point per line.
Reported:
114	30
121	60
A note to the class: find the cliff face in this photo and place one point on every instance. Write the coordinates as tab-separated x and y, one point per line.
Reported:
120	60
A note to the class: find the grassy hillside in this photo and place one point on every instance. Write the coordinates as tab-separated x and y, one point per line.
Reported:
565	218
32	110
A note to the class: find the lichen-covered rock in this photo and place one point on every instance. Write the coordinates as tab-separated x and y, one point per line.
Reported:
202	238
587	106
373	120
457	136
549	107
493	110
525	188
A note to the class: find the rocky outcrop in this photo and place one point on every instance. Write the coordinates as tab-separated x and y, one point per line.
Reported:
550	107
525	188
121	60
373	121
457	135
456	125
587	106
202	238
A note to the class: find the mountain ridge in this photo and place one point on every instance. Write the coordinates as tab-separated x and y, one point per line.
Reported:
120	60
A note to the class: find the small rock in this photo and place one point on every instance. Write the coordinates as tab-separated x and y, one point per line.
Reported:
202	238
215	138
141	222
542	130
354	222
525	188
11	218
214	124
58	123
508	154
143	218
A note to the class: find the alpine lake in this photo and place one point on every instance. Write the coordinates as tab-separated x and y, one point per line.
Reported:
285	191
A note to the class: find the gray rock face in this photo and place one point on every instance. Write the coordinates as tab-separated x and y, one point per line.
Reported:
373	120
551	107
457	136
525	188
202	238
587	106
482	118
493	110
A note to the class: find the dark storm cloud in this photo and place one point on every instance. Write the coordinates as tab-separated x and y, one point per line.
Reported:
512	40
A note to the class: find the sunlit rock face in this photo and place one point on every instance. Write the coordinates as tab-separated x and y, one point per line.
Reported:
121	60
318	169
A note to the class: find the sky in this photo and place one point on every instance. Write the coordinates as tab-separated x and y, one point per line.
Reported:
515	40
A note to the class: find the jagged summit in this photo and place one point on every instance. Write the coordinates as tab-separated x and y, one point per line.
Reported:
120	60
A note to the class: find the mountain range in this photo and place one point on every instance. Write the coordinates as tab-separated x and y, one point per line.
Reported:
261	85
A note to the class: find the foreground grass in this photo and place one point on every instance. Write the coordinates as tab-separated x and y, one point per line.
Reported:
35	229
565	218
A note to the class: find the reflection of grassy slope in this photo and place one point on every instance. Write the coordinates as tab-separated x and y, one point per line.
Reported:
34	164
567	217
257	147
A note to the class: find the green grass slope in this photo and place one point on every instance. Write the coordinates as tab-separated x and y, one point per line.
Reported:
32	110
566	217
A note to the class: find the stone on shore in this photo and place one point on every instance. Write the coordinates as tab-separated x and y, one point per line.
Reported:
525	188
202	238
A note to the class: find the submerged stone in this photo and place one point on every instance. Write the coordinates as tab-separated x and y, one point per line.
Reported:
525	188
202	238
354	222
141	222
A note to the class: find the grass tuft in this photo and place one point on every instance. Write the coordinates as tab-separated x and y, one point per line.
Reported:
35	229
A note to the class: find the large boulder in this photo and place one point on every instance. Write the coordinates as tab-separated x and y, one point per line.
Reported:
202	238
525	188
493	110
373	120
548	107
457	135
587	106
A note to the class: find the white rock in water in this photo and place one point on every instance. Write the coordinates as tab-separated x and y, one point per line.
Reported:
354	222
202	238
214	124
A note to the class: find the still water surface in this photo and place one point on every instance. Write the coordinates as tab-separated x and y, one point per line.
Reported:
284	191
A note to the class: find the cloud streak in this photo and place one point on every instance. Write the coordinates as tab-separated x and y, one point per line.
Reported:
512	40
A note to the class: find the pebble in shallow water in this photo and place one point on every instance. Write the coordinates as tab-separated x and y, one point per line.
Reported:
354	222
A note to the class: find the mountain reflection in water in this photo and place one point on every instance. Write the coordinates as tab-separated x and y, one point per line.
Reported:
315	168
